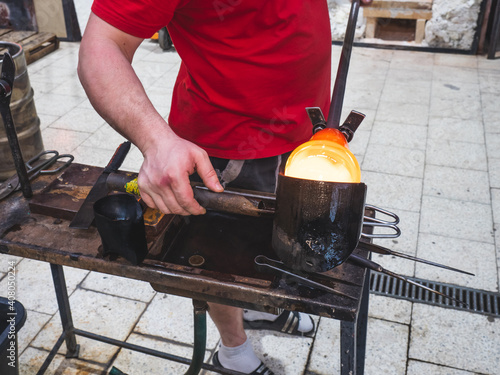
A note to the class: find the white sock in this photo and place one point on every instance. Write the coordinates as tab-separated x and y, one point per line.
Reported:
240	358
305	321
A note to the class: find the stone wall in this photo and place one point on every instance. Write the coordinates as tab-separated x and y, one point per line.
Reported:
453	23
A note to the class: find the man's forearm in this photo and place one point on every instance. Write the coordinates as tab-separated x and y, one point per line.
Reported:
115	91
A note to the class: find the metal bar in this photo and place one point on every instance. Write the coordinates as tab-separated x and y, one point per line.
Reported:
52	354
348	348
200	336
152	352
495	33
64	310
362	325
341	79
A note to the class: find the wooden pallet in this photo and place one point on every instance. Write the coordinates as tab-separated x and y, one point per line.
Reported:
419	10
36	45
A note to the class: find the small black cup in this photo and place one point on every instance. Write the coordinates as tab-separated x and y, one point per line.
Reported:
120	223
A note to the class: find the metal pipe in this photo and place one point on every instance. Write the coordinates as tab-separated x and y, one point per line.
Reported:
341	79
200	337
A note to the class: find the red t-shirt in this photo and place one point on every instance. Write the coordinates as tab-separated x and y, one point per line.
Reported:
249	68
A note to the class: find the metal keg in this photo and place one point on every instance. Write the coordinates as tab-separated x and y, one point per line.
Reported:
23	111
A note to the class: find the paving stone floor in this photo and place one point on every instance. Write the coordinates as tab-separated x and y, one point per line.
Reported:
429	150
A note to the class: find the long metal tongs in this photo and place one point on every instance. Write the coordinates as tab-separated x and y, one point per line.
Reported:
367	263
382	250
263	262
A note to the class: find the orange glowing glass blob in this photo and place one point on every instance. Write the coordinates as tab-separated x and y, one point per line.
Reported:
330	134
323	160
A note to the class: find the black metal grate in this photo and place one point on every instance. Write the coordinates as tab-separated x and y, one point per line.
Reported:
478	301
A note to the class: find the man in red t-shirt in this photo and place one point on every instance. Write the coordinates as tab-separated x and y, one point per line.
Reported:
248	71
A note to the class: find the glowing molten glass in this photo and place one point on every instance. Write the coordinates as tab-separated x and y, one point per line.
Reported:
330	134
323	160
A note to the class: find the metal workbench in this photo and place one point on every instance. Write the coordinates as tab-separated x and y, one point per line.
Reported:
49	239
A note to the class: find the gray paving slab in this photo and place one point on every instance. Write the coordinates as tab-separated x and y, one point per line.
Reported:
455	339
458	219
454	129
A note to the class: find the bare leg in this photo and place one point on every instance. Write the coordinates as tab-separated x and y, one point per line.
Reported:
229	322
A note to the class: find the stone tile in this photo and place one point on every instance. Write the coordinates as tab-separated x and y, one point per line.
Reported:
454	183
406	244
369	98
494	172
394	160
79	119
282	353
419	368
493	145
460	91
46	120
35	288
398	91
453	129
98	313
92	156
71	87
403	113
447	60
64	141
409	78
391	309
363	81
408	58
404	136
489	103
386	349
56	104
396	192
41	88
461	109
160	96
456	154
478	258
457	219
54	73
105	138
489	81
491	124
454	338
134	160
495	204
32	359
34	323
132	362
452	74
325	354
171	317
359	143
119	286
488	65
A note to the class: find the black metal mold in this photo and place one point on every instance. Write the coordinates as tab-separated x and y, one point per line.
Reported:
120	223
317	224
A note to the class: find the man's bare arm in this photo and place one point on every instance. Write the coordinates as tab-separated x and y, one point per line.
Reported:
117	94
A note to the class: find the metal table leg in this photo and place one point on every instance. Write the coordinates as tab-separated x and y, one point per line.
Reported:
64	310
353	337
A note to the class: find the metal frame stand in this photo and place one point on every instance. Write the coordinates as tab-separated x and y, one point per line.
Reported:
353	335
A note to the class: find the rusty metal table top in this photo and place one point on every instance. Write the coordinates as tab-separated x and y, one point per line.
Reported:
49	239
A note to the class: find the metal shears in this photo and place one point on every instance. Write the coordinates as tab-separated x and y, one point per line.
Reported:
37	165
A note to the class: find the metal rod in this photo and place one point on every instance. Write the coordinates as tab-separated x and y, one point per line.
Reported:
341	79
64	310
200	336
382	250
52	354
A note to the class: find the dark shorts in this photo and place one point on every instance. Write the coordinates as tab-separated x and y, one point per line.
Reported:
252	174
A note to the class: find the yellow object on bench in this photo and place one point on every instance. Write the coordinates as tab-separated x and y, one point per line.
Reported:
420	10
